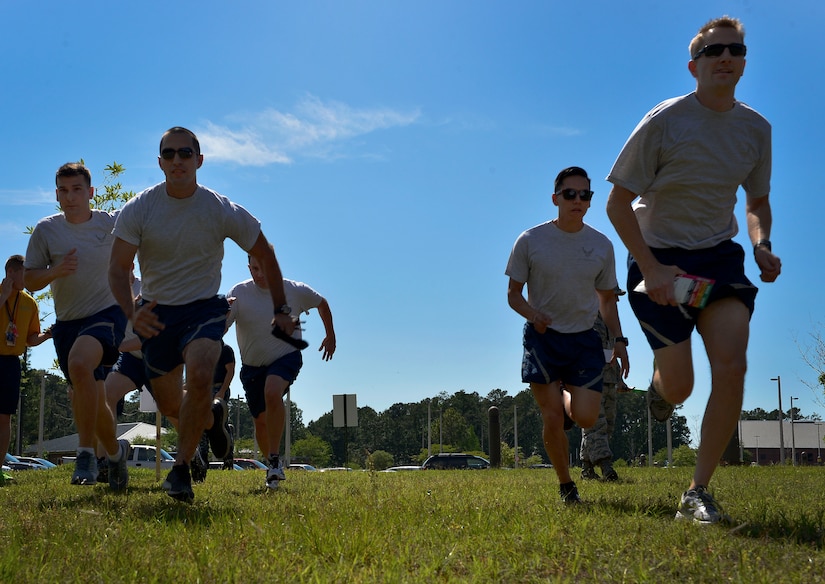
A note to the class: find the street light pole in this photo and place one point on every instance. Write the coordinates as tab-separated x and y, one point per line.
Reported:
778	381
757	450
793	434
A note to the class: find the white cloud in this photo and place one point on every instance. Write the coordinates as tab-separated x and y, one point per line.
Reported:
315	128
10	197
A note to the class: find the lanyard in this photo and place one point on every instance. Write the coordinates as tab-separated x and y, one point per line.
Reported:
13	312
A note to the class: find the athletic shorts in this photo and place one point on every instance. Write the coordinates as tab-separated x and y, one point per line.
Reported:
254	379
132	367
576	359
202	319
9	383
668	325
107	326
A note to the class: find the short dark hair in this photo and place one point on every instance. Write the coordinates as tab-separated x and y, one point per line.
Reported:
73	169
181	130
698	41
15	262
570	171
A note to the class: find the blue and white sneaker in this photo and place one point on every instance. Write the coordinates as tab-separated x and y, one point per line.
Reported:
85	469
118	470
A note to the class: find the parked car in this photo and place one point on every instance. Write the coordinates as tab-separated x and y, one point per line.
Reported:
455	460
218	465
35	460
296	466
250	464
403	468
336	468
15	463
143	456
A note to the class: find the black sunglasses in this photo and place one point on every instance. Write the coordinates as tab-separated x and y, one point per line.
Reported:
570	194
716	50
184	153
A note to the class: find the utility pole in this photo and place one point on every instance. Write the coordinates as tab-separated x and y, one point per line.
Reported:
778	381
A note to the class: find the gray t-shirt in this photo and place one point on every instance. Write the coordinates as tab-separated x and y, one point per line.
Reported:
686	163
86	291
180	241
252	314
563	271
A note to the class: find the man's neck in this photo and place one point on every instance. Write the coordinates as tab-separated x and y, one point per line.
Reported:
568	225
77	217
718	101
181	192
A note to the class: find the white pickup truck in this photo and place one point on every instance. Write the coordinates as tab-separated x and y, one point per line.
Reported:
140	455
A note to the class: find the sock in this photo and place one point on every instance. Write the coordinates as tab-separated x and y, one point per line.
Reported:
567	487
273	460
120	454
89	450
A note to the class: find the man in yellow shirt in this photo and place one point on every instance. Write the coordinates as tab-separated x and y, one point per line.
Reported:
20	321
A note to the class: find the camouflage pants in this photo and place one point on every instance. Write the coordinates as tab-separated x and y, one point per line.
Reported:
595	440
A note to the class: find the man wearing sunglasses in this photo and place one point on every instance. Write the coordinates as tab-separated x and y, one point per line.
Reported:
177	228
570	273
684	163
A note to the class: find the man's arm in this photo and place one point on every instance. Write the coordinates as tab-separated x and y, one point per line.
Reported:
760	219
144	320
608	308
227	380
658	277
38	278
121	260
517	301
328	344
265	255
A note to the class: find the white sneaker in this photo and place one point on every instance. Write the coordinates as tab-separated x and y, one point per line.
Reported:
697	505
274	475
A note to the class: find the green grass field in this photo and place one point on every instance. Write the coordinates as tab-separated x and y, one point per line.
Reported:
430	526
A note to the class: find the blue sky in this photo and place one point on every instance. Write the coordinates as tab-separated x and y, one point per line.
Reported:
394	151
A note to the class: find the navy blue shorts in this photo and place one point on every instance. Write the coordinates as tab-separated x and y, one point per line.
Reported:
132	367
668	325
107	326
254	379
202	319
9	383
576	359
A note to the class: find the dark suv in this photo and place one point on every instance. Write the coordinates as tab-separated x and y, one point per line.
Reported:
452	460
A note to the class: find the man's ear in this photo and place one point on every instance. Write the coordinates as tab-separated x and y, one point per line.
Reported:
692	67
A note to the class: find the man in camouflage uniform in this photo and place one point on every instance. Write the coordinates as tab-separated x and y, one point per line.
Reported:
595	448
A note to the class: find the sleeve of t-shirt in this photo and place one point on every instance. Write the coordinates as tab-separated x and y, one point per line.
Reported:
607	277
517	266
307	297
758	183
34	323
126	227
241	226
37	252
635	167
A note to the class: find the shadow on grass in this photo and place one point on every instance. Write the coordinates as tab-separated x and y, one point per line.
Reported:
803	529
149	502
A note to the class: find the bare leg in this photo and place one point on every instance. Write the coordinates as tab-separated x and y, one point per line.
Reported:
724	326
5	433
195	414
275	412
84	358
